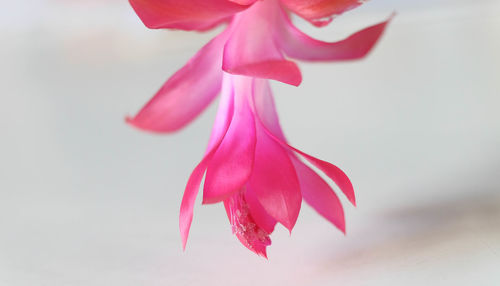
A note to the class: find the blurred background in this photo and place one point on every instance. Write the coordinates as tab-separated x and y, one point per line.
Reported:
87	200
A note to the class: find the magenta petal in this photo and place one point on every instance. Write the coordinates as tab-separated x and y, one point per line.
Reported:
300	46
332	171
252	50
186	93
317	11
266	114
184	14
244	2
190	193
264	107
221	126
318	194
280	70
259	214
231	165
275	181
224	114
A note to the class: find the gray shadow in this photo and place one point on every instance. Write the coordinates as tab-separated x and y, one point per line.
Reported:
438	231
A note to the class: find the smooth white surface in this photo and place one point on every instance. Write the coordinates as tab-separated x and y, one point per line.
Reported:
87	200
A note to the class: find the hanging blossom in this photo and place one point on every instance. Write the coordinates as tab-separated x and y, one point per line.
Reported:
248	164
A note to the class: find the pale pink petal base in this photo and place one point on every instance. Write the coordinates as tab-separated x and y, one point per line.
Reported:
232	163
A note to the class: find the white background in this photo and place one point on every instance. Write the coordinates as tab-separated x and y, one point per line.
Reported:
87	200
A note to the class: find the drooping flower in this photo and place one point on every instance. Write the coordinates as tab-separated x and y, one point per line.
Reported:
249	165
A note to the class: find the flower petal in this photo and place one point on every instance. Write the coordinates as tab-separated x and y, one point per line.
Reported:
317	11
259	214
184	14
186	93
252	51
318	194
275	181
332	171
244	2
266	114
231	165
190	193
264	107
280	70
298	45
222	122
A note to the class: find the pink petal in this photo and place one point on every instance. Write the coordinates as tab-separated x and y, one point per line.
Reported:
259	214
221	126
300	46
332	171
232	163
184	14
252	50
317	193
318	11
186	93
274	180
190	193
264	107
266	114
224	114
314	189
280	70
244	2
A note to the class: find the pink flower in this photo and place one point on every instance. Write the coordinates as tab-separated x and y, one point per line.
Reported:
248	164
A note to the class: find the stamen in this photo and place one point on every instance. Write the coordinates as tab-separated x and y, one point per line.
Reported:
244	227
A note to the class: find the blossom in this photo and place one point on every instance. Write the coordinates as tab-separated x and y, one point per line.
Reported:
248	165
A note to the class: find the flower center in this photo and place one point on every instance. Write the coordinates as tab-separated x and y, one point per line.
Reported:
244	226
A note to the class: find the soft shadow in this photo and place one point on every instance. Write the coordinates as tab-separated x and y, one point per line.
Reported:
437	231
